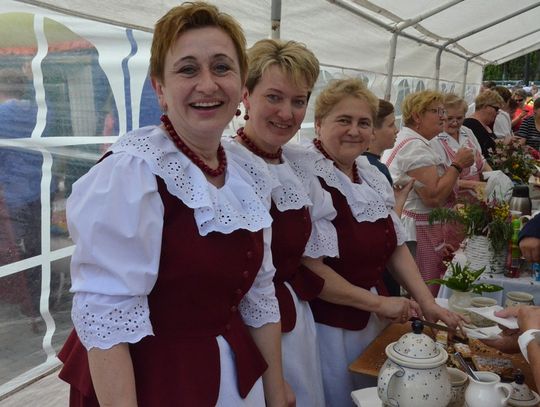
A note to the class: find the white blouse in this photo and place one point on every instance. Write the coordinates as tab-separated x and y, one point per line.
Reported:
289	192
369	201
417	153
115	217
466	139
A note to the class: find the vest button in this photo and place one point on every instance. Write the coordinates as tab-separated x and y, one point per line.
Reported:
227	327
245	274
249	254
239	291
233	308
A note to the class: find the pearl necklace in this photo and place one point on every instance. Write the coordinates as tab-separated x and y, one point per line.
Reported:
222	158
356	177
256	150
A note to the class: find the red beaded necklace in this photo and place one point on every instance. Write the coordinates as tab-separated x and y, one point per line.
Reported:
356	177
222	158
256	150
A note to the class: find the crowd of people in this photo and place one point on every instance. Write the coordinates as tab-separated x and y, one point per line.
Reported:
249	271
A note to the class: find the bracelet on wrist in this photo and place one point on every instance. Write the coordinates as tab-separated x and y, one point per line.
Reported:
458	167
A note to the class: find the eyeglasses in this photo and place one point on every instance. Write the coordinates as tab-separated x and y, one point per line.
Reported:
518	100
439	110
495	107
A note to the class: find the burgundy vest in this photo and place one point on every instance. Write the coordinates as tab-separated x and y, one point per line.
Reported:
200	283
290	232
364	249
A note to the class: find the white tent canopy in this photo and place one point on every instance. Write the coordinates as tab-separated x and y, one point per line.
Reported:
87	62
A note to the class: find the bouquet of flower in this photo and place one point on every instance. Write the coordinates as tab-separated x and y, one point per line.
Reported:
463	278
479	218
514	159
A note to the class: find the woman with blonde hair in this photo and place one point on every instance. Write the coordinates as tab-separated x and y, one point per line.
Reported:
352	308
413	157
454	136
174	303
280	78
487	106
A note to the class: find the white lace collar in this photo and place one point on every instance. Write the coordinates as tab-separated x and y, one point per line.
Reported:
369	201
239	204
288	192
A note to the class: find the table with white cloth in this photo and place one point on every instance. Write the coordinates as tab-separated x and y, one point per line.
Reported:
525	283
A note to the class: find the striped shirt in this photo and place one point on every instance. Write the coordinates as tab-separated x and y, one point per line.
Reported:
529	131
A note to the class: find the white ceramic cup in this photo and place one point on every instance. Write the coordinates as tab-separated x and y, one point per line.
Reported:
459	382
514	298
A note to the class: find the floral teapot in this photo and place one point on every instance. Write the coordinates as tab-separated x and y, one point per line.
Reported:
415	374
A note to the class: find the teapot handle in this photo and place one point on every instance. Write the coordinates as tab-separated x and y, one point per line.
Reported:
384	382
506	388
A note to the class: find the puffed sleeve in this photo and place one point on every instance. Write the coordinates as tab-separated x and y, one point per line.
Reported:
323	240
115	217
416	154
439	149
260	306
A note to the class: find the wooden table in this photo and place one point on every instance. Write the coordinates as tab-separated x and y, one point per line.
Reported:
374	356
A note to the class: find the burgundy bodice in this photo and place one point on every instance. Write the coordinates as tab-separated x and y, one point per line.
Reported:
290	232
364	250
200	283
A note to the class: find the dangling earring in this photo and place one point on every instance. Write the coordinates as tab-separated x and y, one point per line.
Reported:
238	112
246	116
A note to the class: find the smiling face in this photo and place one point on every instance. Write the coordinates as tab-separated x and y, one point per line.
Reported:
201	85
454	120
347	130
277	107
385	136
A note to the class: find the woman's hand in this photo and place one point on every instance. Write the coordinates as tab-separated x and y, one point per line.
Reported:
398	309
530	248
289	394
400	195
434	313
464	157
528	316
507	342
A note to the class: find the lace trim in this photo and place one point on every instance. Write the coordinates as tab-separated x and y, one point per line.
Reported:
256	314
287	191
239	204
103	325
369	201
323	241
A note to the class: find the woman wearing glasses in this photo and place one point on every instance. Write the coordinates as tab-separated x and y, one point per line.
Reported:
522	111
423	116
481	122
454	136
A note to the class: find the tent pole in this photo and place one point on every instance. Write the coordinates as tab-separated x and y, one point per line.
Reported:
275	28
391	62
438	68
465	70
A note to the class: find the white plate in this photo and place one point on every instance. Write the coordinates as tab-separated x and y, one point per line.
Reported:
367	397
490	332
488	312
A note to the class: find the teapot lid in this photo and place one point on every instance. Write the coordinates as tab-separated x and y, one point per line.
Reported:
416	349
522	395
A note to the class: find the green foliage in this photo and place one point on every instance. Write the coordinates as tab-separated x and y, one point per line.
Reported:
491	219
462	278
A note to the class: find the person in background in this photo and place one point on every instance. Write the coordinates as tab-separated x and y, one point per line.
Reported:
350	311
502	127
384	137
486	85
172	271
481	122
530	127
522	111
455	136
280	79
436	183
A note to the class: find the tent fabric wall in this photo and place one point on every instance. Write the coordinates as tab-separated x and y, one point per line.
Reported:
88	78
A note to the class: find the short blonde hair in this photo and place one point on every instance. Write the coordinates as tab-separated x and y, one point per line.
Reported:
453	101
294	59
418	103
339	89
188	16
488	98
